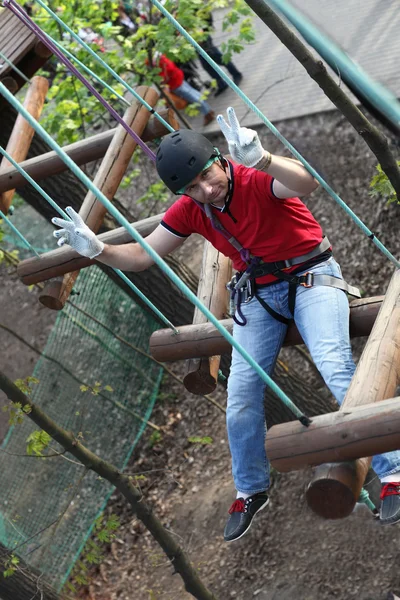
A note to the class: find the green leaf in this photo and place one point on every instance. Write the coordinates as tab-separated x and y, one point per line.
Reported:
200	440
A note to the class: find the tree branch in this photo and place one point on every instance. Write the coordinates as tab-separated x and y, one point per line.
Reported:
123	484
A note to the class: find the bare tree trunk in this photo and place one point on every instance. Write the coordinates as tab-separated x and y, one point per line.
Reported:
25	584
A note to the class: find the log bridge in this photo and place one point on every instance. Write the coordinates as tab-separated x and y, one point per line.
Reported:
340	444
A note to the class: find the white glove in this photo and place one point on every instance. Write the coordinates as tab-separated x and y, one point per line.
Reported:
77	234
244	144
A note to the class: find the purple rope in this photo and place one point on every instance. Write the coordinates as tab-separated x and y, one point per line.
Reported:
25	18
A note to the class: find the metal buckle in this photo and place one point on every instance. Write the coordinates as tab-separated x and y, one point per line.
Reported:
309	282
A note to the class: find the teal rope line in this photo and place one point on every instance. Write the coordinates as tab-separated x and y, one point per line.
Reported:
90	72
18	234
273	129
10	64
103	63
375	92
41	191
365	498
34	184
154	256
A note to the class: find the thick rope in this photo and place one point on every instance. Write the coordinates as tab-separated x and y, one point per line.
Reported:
17	233
91	73
19	12
273	129
104	64
64	215
11	64
153	255
375	93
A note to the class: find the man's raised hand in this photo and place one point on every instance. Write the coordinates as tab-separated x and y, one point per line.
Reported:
77	234
244	144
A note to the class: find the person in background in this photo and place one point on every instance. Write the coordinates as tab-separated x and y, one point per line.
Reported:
174	77
216	54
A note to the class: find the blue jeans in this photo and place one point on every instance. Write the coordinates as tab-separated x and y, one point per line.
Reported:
322	318
188	93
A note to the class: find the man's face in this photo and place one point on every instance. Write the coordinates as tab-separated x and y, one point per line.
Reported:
210	186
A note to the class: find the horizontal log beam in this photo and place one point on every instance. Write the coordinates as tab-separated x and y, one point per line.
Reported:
82	152
65	260
203	340
339	436
335	488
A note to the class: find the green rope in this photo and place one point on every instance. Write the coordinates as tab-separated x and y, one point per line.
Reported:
273	129
375	93
17	233
103	63
90	72
153	255
10	64
365	499
41	191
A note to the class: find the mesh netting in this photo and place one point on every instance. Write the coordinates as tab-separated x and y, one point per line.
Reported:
35	492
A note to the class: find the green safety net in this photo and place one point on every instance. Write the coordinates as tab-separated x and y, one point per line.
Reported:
35	492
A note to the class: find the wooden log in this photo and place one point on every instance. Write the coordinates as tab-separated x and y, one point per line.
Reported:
22	133
335	488
64	260
202	373
10	83
108	178
344	435
204	340
81	152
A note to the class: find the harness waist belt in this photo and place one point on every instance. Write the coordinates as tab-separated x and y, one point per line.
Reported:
267	268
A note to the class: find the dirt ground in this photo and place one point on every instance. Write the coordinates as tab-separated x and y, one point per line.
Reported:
289	554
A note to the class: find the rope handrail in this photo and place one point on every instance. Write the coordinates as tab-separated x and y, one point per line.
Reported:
153	255
56	207
277	134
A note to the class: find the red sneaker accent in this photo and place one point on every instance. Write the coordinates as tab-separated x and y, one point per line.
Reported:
390	489
237	506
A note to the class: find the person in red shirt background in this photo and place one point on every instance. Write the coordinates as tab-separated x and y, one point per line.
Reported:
174	77
249	209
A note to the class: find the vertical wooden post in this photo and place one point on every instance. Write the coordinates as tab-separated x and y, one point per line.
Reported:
335	487
216	270
108	178
22	133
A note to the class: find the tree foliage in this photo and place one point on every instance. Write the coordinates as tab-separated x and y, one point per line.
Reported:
72	109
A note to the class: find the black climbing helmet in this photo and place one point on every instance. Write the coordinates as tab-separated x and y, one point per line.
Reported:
181	156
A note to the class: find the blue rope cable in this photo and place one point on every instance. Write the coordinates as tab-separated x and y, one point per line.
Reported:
375	93
154	256
11	64
17	233
273	129
19	12
45	195
91	73
104	64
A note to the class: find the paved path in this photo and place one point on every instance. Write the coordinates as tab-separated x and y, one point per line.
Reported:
281	88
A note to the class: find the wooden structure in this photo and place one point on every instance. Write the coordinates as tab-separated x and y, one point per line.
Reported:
107	180
22	48
22	134
204	340
82	152
202	373
335	487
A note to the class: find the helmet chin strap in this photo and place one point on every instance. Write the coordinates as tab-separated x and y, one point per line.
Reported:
224	165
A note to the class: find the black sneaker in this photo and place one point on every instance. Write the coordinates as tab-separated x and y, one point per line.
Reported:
238	79
242	513
390	503
221	89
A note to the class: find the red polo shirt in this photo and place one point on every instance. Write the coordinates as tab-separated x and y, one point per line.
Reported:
269	227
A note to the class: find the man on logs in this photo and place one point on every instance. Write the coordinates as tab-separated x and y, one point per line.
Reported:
249	210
